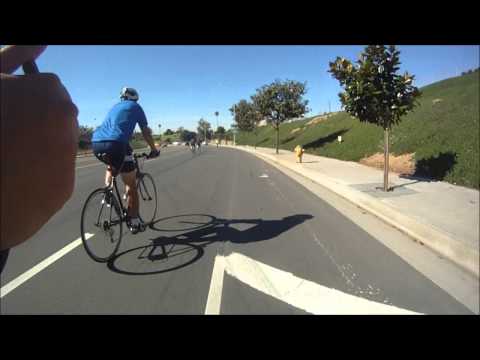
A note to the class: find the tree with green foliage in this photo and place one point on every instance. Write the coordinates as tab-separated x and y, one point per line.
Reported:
229	132
279	101
203	129
374	92
246	116
179	130
243	113
186	135
168	132
216	115
85	136
221	130
220	133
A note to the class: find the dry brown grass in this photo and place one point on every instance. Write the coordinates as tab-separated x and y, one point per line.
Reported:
316	120
402	164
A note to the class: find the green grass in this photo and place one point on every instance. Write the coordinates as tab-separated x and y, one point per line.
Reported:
172	138
444	135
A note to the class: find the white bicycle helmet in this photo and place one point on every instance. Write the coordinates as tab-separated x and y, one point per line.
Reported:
128	93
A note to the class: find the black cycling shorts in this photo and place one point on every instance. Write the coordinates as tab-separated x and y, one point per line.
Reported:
116	154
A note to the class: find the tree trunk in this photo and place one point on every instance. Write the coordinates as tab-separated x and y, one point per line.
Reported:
386	157
278	136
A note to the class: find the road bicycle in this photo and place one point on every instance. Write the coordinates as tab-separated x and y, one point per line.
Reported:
104	213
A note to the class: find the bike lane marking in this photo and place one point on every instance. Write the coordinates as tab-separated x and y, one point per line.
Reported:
19	280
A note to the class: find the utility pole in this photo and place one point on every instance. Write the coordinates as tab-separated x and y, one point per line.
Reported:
216	114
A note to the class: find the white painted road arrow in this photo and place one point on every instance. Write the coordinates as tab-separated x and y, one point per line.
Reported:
284	286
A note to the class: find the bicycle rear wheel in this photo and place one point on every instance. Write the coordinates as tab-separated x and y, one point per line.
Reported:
147	198
101	225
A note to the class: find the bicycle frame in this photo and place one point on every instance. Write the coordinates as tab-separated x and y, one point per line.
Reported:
116	211
114	185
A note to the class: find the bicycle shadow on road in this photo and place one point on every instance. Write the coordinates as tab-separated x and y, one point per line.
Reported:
187	246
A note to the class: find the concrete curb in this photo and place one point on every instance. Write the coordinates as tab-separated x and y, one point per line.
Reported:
454	250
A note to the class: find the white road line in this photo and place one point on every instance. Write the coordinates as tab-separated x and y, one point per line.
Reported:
12	285
300	293
214	299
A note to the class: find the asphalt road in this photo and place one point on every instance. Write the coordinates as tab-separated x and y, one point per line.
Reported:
242	238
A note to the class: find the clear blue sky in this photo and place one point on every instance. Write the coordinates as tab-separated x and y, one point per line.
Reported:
180	84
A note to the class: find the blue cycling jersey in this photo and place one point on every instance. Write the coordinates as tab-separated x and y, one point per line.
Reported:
120	122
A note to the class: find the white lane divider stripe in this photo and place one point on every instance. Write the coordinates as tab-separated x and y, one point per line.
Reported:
214	299
19	280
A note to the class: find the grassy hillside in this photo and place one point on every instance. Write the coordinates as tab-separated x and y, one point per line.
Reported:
442	132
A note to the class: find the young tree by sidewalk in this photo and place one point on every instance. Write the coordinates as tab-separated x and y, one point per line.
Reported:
280	101
374	92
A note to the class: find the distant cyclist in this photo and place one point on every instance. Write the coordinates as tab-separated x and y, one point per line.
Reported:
110	145
193	145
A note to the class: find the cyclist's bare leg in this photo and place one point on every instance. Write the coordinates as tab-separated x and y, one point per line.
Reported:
131	190
108	176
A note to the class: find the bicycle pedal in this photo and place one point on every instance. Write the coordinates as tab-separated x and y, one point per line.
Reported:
136	230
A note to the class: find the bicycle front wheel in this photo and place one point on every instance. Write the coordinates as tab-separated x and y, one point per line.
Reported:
147	198
101	225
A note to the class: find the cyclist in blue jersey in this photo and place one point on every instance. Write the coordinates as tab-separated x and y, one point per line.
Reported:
110	144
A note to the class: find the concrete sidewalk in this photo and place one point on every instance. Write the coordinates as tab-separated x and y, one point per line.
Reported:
439	215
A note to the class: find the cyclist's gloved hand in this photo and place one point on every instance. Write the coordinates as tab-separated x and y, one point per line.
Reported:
153	154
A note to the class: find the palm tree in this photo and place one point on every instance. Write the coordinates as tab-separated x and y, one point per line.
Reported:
216	114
